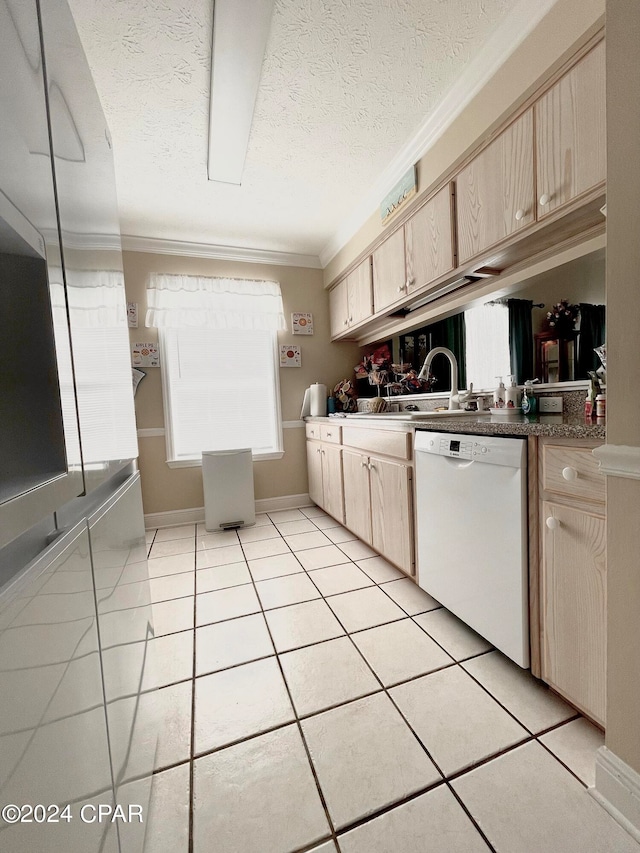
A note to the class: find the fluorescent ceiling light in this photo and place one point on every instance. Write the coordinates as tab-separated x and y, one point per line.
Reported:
240	32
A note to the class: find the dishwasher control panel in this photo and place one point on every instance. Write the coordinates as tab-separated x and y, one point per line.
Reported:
456	447
490	449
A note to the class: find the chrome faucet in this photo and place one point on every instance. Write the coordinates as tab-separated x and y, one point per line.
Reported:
454	402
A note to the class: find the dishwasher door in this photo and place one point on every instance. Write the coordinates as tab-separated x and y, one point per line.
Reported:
471	514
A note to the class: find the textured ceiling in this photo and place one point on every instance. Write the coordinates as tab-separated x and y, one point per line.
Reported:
345	83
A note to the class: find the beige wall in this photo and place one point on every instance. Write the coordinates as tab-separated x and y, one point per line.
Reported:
623	382
165	488
559	34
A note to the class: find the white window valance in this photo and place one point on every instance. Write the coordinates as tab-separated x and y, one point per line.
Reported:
182	301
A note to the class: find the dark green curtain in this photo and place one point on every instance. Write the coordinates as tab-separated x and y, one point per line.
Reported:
448	333
521	339
592	335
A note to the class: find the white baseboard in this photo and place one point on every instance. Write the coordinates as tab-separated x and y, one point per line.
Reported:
284	502
176	517
617	789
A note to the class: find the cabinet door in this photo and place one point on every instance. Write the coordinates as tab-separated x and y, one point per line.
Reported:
571	134
357	505
392	512
332	481
574	606
389	271
314	472
494	193
339	309
359	295
429	241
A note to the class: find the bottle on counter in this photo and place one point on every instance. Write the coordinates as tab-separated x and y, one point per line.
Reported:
529	402
512	395
499	395
601	405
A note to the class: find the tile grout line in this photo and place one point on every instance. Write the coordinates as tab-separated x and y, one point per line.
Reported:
384	689
417	738
332	828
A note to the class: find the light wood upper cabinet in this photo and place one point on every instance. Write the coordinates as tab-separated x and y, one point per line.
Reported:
574	606
359	296
350	301
339	309
495	192
429	241
389	271
571	134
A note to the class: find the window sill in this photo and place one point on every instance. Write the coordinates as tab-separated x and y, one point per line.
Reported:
197	463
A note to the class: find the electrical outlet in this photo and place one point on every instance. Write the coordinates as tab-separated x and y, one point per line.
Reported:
550	404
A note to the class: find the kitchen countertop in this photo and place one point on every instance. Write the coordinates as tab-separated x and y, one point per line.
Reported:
561	426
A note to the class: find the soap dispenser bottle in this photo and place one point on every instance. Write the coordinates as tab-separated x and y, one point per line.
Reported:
512	396
529	402
499	395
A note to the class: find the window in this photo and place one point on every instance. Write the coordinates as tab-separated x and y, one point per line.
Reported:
487	345
218	349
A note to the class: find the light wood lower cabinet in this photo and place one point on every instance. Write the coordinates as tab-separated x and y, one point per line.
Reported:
573	586
332	483
314	472
324	470
392	511
357	501
369	494
378	506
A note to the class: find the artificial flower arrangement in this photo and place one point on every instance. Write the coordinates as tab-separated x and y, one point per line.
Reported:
562	317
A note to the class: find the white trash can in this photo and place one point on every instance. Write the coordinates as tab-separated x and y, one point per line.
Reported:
227	477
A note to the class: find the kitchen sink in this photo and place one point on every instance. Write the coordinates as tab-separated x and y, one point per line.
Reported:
418	416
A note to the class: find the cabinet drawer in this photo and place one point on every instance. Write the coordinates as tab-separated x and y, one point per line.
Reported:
330	433
572	471
378	441
312	430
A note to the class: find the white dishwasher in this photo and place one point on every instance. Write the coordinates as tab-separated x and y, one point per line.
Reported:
471	513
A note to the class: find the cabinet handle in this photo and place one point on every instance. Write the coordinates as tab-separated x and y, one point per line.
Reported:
371	466
318	450
570	474
545	198
552	523
329	434
401	288
519	214
410	281
363	463
350	319
346	322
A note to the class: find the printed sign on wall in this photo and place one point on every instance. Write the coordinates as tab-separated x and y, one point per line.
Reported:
302	324
132	314
145	355
290	356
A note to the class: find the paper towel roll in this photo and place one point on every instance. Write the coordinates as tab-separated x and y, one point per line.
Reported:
318	400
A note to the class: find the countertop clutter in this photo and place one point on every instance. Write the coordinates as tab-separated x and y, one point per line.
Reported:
559	426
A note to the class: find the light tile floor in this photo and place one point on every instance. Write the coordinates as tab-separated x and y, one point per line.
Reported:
308	697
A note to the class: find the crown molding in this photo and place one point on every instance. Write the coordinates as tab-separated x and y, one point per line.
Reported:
500	45
221	253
